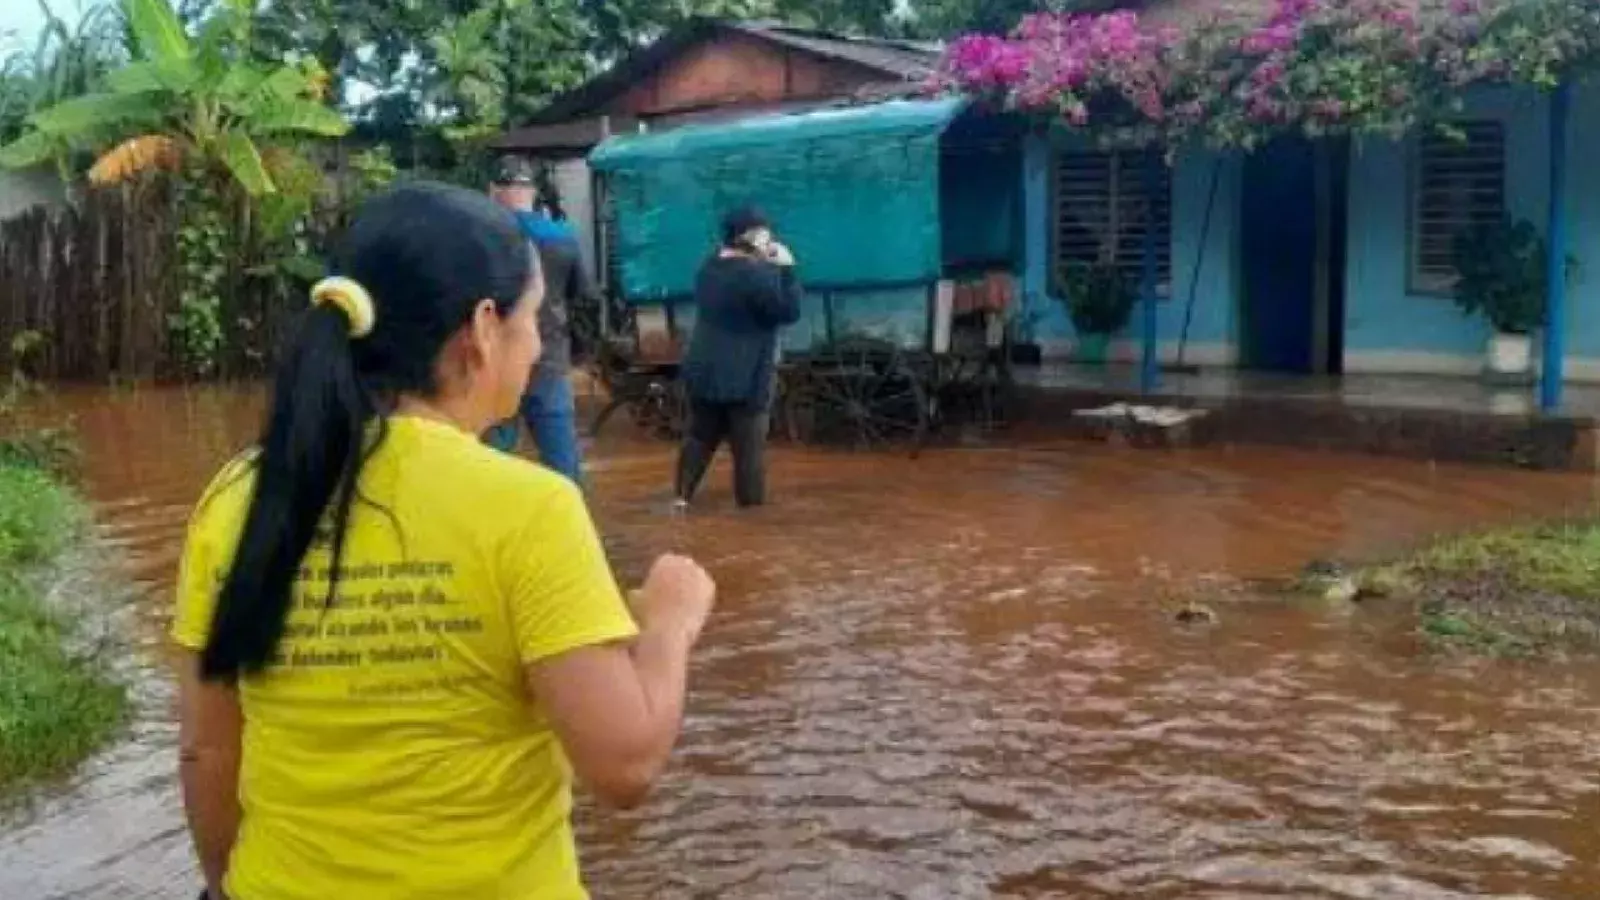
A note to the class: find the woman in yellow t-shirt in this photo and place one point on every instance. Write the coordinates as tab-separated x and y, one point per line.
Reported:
397	645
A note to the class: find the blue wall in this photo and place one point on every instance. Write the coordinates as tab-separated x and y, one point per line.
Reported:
1214	325
1388	326
980	209
1583	212
1391	328
1386	322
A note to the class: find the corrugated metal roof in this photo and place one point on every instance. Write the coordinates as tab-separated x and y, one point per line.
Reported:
899	61
906	59
575	135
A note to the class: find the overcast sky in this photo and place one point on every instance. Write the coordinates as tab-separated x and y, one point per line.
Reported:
24	18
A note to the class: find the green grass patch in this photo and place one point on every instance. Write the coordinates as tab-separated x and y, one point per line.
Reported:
52	450
1558	558
38	517
1462	629
56	705
1509	592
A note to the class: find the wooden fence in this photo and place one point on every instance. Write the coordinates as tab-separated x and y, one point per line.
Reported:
98	283
95	282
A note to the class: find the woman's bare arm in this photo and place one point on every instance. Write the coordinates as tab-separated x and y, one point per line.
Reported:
617	709
210	727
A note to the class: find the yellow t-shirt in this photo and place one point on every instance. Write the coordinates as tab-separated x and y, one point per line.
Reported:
393	753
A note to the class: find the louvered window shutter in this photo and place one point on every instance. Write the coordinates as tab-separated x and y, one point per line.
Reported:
1101	213
1456	185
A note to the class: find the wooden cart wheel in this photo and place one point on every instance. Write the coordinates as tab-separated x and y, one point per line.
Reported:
795	407
867	393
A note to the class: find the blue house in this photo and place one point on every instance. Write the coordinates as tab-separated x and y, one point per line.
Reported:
1336	255
1325	257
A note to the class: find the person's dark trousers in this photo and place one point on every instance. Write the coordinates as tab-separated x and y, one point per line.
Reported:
744	427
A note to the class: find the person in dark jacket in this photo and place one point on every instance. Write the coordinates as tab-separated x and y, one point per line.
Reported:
549	410
744	293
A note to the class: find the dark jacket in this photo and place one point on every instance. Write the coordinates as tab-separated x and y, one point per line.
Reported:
740	305
566	284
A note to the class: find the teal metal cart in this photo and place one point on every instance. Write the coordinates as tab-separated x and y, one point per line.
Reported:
887	206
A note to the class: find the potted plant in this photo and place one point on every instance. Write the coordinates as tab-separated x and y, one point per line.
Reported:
1501	276
1099	302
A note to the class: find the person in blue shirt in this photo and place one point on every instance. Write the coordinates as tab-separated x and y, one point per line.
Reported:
548	410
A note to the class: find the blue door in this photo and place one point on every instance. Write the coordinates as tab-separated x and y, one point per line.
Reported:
1279	244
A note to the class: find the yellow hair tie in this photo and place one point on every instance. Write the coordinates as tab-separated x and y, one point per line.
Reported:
350	298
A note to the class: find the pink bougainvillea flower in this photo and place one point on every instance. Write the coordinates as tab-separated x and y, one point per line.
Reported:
1270	39
1360	64
985	62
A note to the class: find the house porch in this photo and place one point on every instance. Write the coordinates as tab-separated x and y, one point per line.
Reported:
1447	419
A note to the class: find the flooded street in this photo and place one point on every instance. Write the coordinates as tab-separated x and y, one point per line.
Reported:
956	677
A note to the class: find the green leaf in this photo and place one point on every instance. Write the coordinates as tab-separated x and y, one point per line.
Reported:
1448	625
93	111
27	151
135	78
157	29
212	46
242	81
242	158
304	268
299	117
468	134
285	84
175	75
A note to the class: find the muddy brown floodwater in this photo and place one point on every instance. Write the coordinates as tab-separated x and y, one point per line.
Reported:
956	677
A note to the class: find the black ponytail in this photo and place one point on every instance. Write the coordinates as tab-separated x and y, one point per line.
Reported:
427	254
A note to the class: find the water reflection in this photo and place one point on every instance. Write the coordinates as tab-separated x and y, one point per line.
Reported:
953	678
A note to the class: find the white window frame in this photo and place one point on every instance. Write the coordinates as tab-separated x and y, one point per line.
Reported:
1455	184
1097	211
